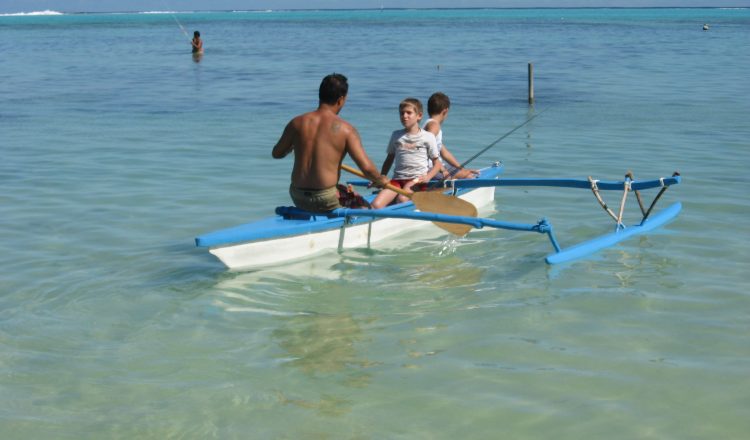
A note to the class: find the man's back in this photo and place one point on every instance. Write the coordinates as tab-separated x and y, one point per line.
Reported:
319	142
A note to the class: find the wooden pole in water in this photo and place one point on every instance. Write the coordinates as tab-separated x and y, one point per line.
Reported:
531	83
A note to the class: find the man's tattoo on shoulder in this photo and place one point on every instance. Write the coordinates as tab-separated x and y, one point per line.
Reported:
336	126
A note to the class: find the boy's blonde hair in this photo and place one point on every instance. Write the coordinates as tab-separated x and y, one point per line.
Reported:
414	102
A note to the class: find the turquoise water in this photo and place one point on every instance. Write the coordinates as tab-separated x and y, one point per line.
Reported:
117	149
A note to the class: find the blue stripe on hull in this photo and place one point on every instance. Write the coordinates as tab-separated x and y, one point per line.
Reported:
278	226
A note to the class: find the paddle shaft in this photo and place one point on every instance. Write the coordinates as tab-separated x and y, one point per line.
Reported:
359	173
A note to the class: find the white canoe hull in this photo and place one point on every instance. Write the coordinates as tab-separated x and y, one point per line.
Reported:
274	251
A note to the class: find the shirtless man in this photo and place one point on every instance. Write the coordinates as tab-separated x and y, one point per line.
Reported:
320	139
197	43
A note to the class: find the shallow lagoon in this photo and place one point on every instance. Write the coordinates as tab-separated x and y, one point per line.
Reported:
120	149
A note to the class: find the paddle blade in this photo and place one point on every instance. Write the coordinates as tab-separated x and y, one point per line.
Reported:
429	201
436	202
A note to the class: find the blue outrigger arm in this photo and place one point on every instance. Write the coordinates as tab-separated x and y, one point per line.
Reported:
531	181
565	183
648	223
542	227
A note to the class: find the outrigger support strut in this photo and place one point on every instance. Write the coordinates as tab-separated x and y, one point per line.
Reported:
545	227
628	186
658	196
595	190
630	176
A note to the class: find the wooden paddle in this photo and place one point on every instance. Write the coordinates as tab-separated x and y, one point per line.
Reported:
432	201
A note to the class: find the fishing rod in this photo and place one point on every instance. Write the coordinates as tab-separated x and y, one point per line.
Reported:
181	27
501	138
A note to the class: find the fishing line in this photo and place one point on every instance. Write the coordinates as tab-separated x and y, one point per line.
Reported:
182	28
501	138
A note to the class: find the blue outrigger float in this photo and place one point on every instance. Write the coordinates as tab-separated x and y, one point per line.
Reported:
294	234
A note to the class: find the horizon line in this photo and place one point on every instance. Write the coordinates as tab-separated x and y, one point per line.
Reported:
52	12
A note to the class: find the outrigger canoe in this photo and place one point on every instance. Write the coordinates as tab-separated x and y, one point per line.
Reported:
294	234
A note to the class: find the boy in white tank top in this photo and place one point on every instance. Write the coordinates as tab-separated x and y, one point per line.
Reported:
437	107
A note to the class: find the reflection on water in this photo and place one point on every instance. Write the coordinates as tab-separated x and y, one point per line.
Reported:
310	312
323	266
322	343
442	270
269	291
327	405
311	306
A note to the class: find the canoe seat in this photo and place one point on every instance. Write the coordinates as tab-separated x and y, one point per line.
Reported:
294	213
